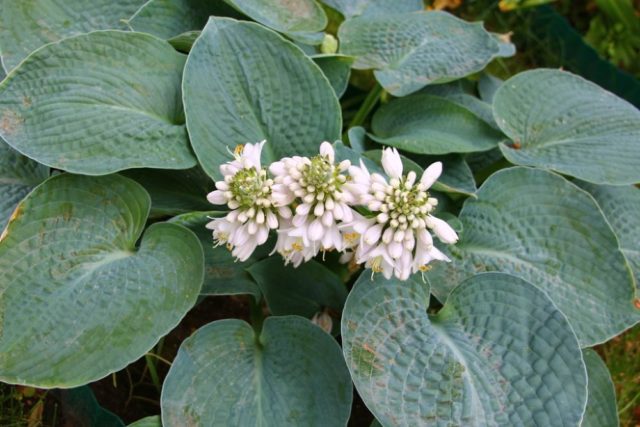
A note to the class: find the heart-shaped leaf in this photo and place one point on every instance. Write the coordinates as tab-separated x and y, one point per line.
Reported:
304	291
621	205
223	274
79	298
352	8
301	19
98	103
18	176
292	374
601	404
244	83
562	122
411	50
170	18
498	353
427	124
25	25
536	225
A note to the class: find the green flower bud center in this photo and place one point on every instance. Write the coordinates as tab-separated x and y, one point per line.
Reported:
322	175
248	186
405	205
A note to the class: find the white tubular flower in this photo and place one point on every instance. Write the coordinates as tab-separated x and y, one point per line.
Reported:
291	247
395	240
246	189
318	184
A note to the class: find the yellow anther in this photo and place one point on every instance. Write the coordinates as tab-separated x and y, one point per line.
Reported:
351	237
376	265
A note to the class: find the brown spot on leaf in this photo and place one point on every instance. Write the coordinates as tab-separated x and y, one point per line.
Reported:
17	213
368	348
67	211
636	303
26	102
10	122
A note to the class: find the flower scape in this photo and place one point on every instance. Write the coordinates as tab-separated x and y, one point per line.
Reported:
317	205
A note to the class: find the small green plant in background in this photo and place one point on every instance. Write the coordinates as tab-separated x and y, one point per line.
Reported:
615	33
387	216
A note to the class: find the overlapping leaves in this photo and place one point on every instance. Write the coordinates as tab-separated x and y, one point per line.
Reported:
290	374
90	104
80	296
498	353
409	51
560	121
244	83
536	225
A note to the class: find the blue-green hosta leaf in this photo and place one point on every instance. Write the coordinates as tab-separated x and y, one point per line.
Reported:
170	18
183	42
346	153
223	275
301	20
303	291
427	124
174	192
467	101
621	207
18	176
488	85
352	8
25	25
79	298
601	404
337	69
244	83
482	161
499	353
80	408
152	421
456	175
357	136
536	225
292	374
98	103
409	51
567	124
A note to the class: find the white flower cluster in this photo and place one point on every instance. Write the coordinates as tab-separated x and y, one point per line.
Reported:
311	203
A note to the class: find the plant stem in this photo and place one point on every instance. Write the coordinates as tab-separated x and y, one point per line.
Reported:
153	372
367	105
160	358
629	404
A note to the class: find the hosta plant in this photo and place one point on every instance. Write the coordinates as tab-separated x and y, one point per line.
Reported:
450	244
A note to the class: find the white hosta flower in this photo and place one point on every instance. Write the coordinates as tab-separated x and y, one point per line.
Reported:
291	247
318	185
395	240
246	189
